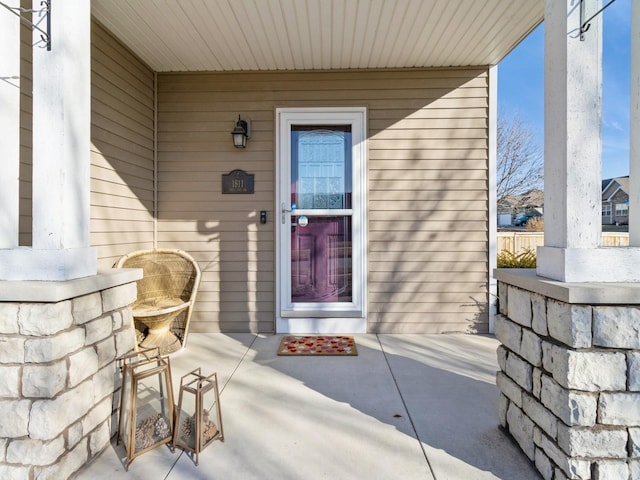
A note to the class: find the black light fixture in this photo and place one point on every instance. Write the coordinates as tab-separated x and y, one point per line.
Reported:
240	133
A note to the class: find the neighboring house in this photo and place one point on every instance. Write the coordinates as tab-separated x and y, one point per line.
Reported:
615	201
530	204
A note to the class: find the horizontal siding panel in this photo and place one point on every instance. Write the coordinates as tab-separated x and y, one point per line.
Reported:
111	213
420	175
316	81
438	215
396	239
416	301
421	143
445	276
123	163
105	239
452	153
122	225
108	49
420	288
263	297
430	246
427	133
443	184
122	204
122	150
426	206
103	139
438	306
341	92
380	166
386	325
138	133
109	175
394	115
347	99
445	124
431	266
427	226
121	191
421	257
226	287
427	195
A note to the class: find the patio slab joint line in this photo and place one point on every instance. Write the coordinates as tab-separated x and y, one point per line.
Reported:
406	408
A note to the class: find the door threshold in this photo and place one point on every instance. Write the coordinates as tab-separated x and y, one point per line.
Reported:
322	326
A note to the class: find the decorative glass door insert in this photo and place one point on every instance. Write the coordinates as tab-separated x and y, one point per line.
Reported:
320	185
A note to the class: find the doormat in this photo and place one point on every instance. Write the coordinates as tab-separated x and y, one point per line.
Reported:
317	345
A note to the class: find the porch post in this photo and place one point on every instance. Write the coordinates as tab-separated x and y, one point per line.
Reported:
9	125
573	90
634	127
61	152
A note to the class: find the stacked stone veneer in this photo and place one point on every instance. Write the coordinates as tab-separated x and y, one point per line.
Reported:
569	384
57	379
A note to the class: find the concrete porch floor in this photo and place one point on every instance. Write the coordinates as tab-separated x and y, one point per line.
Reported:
407	407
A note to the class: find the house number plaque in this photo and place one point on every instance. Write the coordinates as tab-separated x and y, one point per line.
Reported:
237	181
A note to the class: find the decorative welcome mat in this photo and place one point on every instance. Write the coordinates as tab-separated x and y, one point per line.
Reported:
317	345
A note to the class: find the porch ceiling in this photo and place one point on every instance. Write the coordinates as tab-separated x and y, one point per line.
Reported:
223	35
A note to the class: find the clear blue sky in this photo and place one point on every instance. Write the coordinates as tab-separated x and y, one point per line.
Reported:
521	86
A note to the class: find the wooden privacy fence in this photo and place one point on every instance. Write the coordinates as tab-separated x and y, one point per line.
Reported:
517	242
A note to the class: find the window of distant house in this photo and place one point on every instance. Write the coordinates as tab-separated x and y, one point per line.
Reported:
606	210
622	209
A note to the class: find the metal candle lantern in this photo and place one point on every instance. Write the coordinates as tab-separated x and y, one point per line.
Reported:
146	403
198	418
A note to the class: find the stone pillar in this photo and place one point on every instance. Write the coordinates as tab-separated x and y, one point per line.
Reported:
569	377
634	127
61	152
572	188
9	125
58	375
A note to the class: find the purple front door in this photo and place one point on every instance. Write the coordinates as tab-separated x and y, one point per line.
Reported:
321	259
321	214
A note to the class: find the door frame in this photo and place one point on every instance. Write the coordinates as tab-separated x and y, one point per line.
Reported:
337	320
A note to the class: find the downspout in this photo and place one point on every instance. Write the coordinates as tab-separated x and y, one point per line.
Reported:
492	186
155	160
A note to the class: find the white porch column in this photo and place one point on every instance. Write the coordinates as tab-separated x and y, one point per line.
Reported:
573	90
634	128
9	125
61	153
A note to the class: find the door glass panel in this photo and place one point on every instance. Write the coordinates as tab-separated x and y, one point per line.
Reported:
321	245
321	259
321	167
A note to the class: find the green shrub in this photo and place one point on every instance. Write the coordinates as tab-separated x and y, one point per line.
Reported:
524	259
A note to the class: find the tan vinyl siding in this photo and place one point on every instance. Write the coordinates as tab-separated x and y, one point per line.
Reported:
121	150
427	191
26	150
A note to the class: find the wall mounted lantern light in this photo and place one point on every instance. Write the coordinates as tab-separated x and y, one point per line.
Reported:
240	133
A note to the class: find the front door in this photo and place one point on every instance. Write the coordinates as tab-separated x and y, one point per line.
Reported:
321	225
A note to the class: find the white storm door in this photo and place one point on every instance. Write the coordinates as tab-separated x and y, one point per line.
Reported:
321	162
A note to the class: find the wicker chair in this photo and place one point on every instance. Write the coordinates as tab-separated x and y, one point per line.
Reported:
166	295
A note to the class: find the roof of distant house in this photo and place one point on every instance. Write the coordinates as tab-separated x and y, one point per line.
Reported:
622	184
533	198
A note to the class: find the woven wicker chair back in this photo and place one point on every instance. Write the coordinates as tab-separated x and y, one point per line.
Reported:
167	274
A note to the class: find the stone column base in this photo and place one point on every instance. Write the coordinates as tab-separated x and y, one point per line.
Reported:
569	376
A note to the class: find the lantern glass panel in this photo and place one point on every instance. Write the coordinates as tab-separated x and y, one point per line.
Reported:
198	419
146	403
